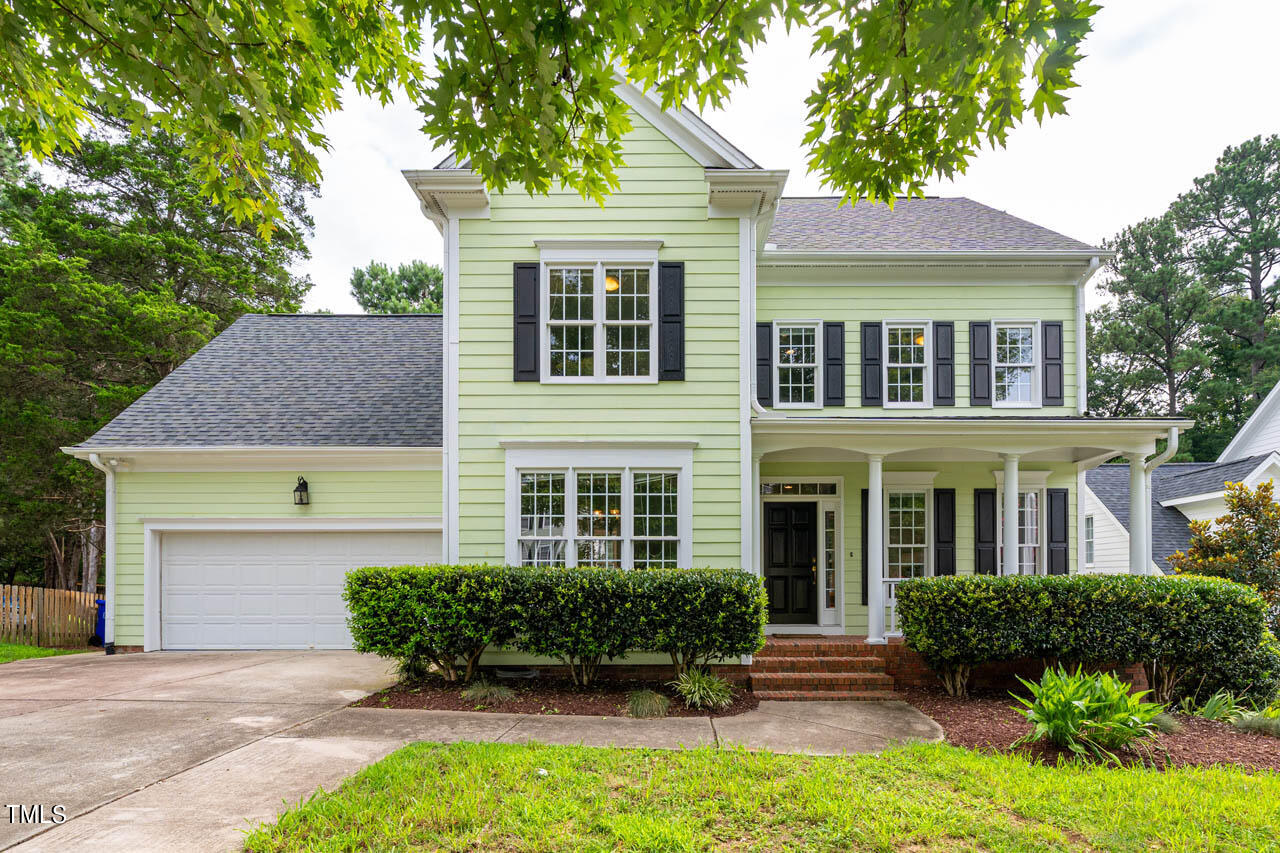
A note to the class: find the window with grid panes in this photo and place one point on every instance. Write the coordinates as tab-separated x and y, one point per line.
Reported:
905	365
797	365
907	539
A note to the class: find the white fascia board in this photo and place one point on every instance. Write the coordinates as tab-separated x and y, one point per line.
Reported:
258	458
449	193
1251	480
1264	412
738	193
1176	503
788	257
690	133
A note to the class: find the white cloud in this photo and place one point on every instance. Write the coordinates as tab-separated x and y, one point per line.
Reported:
1163	91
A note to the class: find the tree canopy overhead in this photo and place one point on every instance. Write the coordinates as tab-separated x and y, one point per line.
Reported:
910	89
413	288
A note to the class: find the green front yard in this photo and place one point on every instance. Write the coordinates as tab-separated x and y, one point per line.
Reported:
15	651
937	797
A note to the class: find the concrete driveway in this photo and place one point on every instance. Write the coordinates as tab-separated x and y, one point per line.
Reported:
155	751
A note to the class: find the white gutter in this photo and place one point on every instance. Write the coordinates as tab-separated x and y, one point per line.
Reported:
109	550
837	257
1152	464
1082	368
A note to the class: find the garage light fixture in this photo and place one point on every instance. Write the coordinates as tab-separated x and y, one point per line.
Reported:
300	496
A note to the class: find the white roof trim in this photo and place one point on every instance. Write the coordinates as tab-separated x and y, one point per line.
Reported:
1251	480
683	127
791	257
1266	411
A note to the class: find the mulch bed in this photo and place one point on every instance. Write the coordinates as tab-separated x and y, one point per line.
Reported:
987	721
545	696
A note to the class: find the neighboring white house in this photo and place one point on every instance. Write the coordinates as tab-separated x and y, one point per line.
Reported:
1181	492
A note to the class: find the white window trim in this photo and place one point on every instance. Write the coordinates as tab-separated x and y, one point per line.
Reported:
819	356
928	363
909	488
1037	366
632	255
621	460
1090	540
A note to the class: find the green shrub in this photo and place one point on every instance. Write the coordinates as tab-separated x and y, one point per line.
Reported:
701	615
446	616
647	704
1177	627
443	615
700	689
485	692
1091	715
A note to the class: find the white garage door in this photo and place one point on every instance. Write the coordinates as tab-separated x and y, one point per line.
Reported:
270	590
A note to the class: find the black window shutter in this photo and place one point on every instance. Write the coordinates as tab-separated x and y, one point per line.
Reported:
944	531
944	364
872	395
1058	501
984	532
979	364
865	575
671	321
1054	377
525	336
833	364
764	364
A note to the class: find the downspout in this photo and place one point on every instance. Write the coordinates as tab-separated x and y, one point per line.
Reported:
109	550
1171	447
1082	364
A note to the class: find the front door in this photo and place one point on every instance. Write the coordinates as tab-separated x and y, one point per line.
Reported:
791	562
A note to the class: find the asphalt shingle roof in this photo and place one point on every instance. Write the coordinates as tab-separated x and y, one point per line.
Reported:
914	224
298	380
1169	528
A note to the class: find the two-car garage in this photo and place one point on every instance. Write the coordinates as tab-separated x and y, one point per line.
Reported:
269	590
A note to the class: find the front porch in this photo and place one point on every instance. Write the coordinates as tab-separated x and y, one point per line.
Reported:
847	508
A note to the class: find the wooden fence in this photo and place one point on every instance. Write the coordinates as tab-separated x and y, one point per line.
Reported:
46	617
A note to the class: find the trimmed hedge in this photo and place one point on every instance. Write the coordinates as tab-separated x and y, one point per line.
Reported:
448	615
1189	633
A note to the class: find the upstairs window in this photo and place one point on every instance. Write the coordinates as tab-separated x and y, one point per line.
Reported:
600	323
906	365
797	365
1015	365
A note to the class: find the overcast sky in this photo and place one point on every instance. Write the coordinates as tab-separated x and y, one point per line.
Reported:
1164	88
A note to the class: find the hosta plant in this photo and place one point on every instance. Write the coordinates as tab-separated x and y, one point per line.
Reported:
1092	715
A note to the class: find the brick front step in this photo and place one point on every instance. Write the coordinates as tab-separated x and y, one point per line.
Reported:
825	647
820	681
826	695
816	663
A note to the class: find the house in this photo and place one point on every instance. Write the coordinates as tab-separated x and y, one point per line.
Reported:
1180	493
700	372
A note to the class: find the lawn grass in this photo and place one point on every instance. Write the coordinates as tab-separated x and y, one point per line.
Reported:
16	651
928	797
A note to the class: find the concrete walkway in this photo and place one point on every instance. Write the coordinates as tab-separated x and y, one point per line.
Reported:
185	751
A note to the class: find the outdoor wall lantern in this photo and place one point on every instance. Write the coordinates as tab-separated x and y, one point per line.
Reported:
300	496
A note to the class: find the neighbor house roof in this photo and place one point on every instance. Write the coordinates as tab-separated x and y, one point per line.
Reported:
912	225
1170	532
297	380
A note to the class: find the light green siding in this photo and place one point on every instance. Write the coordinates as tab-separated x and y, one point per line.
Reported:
854	304
663	195
257	494
964	477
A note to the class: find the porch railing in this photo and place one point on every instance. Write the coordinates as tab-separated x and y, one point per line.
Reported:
891	607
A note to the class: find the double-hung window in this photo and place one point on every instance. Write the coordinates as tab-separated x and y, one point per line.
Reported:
600	322
1029	532
1089	541
906	365
907	535
1016	378
798	360
599	517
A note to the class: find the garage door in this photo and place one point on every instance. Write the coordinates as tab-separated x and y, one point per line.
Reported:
269	590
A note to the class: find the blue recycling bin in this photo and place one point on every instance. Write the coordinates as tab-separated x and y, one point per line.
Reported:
100	628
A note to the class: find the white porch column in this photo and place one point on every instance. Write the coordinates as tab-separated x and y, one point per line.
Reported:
875	549
1139	507
1009	565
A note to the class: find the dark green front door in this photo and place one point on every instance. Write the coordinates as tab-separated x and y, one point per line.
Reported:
791	562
